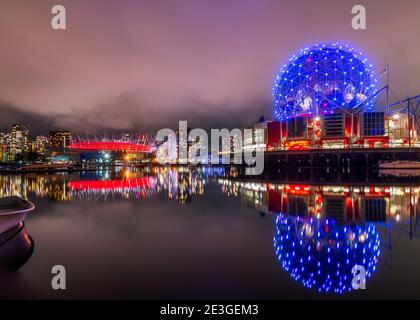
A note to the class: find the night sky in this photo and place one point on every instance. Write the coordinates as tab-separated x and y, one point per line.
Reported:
141	65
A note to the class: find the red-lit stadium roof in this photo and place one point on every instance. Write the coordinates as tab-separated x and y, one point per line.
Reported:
111	146
145	182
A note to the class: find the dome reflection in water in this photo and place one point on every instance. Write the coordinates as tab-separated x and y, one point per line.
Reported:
320	254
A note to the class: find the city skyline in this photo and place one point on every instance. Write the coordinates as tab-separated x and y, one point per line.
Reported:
141	66
17	144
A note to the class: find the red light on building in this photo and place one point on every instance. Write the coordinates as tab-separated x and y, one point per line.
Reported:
273	133
297	145
283	130
349	208
371	141
301	190
274	201
111	146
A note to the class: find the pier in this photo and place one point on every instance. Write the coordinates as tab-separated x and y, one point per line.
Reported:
350	157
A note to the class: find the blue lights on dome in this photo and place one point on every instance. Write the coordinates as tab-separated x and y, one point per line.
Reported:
322	79
320	254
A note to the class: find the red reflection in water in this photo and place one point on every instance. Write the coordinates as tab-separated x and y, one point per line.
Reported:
147	182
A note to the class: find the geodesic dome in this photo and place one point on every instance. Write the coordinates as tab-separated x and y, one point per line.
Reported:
320	254
322	79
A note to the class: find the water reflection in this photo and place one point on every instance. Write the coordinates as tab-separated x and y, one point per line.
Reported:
323	227
343	203
175	183
320	254
323	231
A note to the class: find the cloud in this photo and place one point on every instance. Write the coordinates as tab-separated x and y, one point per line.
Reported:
126	114
34	121
136	65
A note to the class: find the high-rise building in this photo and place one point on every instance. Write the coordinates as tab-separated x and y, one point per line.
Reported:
4	146
59	139
40	145
19	140
183	144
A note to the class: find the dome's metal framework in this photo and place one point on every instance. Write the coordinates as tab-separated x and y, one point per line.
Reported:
322	79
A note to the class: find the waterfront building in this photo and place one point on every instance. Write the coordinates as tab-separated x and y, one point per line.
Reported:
236	143
258	139
19	141
326	98
183	143
4	146
167	153
59	139
40	145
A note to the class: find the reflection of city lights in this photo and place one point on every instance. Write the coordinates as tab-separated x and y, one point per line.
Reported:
323	259
131	184
181	183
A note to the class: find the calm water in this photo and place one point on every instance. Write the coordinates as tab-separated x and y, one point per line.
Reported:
210	233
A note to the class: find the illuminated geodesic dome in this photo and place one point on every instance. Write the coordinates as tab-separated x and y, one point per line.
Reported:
320	254
322	79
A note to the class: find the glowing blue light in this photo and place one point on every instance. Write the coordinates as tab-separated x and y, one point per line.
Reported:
332	254
301	92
